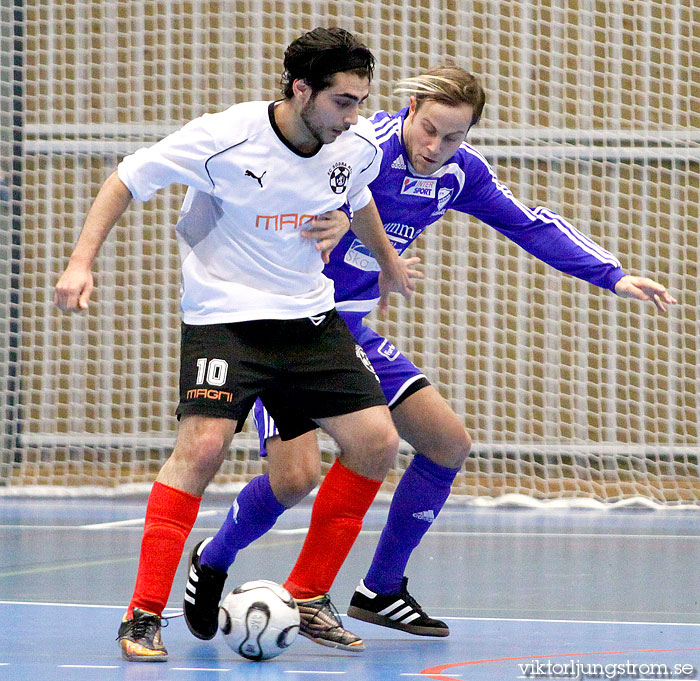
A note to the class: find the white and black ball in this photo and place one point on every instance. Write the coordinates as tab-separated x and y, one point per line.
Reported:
259	619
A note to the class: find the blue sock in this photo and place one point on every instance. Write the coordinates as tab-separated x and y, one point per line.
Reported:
418	498
253	513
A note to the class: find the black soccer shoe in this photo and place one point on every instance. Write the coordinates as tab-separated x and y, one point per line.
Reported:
202	595
139	638
397	611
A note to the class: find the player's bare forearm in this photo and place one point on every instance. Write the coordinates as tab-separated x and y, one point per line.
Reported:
643	288
75	285
109	205
397	273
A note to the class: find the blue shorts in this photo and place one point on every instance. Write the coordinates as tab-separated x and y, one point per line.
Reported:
398	376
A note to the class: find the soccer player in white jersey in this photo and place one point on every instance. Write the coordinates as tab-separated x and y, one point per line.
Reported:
258	313
427	169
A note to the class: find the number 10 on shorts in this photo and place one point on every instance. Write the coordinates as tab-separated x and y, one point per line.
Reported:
214	371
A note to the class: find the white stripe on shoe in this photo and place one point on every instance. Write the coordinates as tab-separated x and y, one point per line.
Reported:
398	616
392	607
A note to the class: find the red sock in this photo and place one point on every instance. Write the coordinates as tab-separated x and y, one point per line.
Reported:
336	520
170	515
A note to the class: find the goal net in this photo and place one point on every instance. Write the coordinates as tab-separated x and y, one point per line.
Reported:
593	110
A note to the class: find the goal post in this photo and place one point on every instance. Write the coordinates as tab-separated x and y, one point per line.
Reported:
569	393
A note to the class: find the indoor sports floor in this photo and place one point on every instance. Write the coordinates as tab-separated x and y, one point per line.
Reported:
522	590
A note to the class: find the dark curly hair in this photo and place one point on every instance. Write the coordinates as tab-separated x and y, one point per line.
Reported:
318	54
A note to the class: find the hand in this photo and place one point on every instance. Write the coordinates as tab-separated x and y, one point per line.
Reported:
642	288
327	229
73	289
401	278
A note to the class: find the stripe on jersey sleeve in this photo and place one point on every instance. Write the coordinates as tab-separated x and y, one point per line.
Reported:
577	237
381	124
452	169
389	131
500	186
546	215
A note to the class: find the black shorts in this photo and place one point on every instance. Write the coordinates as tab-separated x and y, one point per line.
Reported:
316	367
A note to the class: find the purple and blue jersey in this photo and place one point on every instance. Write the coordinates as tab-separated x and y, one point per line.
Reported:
408	203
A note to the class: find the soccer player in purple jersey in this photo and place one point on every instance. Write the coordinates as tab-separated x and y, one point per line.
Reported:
427	169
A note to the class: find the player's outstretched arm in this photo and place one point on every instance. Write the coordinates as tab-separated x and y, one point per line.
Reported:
75	285
397	273
327	229
643	288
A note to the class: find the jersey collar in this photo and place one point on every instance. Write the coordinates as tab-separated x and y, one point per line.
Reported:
282	138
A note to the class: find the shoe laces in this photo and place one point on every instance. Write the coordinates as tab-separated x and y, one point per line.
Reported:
146	626
411	601
326	605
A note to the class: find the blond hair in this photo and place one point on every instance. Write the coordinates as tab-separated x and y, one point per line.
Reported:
446	84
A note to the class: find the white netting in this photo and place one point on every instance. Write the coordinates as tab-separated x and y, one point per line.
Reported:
593	110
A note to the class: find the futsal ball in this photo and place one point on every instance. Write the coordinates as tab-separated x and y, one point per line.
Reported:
259	619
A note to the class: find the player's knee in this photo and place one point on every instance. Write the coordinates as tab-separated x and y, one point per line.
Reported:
378	451
294	467
296	484
457	449
208	451
451	449
304	481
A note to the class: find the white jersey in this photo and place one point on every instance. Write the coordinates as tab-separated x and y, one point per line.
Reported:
241	251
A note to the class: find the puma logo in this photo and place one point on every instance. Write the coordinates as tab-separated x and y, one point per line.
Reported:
250	173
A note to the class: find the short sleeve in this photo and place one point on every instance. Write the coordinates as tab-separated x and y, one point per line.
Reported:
178	158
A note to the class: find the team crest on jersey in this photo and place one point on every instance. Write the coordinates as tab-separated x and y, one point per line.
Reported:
412	186
399	163
443	197
339	176
391	352
362	356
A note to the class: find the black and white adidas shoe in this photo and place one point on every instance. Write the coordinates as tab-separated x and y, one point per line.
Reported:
202	595
397	611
